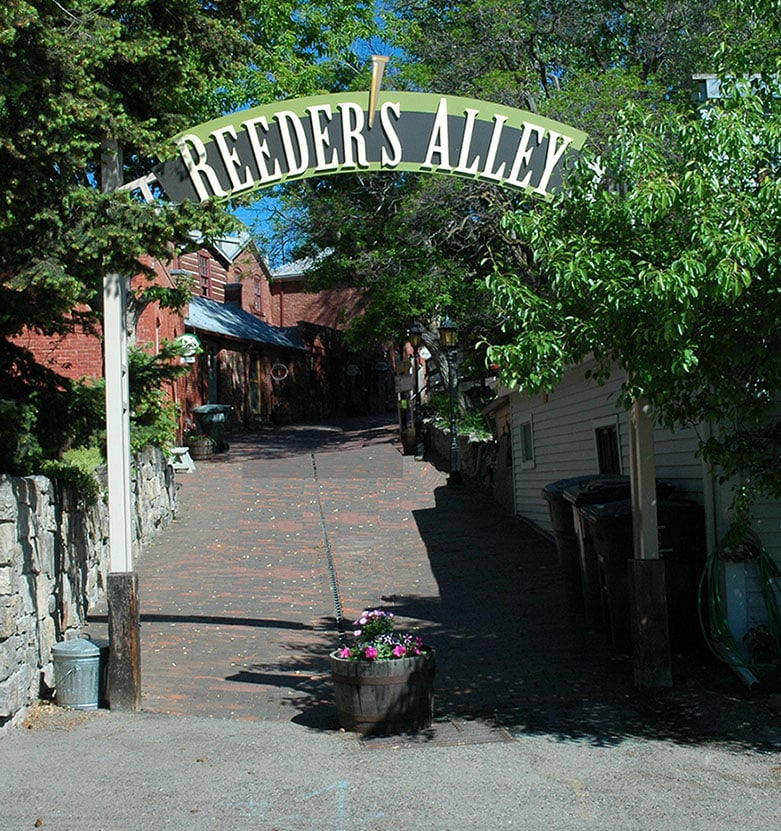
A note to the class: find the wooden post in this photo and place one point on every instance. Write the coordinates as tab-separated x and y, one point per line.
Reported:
647	592
124	673
648	618
124	634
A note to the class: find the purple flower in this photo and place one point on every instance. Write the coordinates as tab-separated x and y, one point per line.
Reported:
399	651
370	653
344	652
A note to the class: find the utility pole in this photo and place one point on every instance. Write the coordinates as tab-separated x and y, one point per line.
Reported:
124	630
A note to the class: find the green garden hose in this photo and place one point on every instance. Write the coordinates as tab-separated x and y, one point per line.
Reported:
764	640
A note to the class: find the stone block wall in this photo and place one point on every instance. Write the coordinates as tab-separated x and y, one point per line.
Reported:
54	558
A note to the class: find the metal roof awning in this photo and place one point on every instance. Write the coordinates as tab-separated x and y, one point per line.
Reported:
232	321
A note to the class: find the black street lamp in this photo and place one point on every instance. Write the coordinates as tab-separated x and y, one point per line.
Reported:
415	335
448	336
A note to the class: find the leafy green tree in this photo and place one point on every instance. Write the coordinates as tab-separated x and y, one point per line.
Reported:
663	258
76	75
417	245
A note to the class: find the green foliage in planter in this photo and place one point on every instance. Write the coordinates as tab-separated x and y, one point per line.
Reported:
153	416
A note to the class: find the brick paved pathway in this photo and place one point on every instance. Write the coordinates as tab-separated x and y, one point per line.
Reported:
238	614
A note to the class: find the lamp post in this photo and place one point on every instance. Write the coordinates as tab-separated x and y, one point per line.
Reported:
448	335
416	340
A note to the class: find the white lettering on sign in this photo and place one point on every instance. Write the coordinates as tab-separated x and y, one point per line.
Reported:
353	122
466	144
296	150
197	166
230	158
531	138
523	155
390	133
260	150
331	134
439	143
493	149
322	139
554	155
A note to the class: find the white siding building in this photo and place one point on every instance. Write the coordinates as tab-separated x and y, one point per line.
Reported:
577	430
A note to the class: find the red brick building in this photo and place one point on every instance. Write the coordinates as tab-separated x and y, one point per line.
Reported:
269	349
291	303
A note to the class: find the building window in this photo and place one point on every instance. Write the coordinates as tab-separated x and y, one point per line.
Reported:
204	275
257	295
608	448
526	431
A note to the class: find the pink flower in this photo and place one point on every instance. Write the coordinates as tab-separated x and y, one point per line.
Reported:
344	652
370	653
399	651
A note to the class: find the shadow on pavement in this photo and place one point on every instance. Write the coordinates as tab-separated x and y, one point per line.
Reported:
510	655
508	652
268	443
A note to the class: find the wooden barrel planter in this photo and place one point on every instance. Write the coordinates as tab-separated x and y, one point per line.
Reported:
201	449
384	697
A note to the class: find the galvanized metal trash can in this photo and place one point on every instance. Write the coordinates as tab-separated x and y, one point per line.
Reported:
77	674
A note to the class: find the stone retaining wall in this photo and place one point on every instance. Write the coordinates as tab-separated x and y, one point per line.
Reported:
485	463
54	557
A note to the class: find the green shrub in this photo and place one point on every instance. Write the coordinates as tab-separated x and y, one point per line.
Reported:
469	421
43	414
77	466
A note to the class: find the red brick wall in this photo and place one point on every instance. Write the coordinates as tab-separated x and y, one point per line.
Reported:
79	354
333	308
251	271
74	356
216	268
279	303
155	325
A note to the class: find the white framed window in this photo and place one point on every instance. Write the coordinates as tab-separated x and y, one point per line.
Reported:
526	435
607	445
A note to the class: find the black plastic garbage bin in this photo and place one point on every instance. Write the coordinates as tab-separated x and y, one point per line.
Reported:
596	491
609	527
589	491
211	420
681	525
560	510
683	547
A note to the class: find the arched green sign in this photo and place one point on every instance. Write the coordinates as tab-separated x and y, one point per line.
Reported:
402	131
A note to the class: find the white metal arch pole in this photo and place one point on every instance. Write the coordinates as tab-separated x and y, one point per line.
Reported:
648	605
124	670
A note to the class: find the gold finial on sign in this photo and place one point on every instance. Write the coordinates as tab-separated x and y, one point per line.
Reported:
378	68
